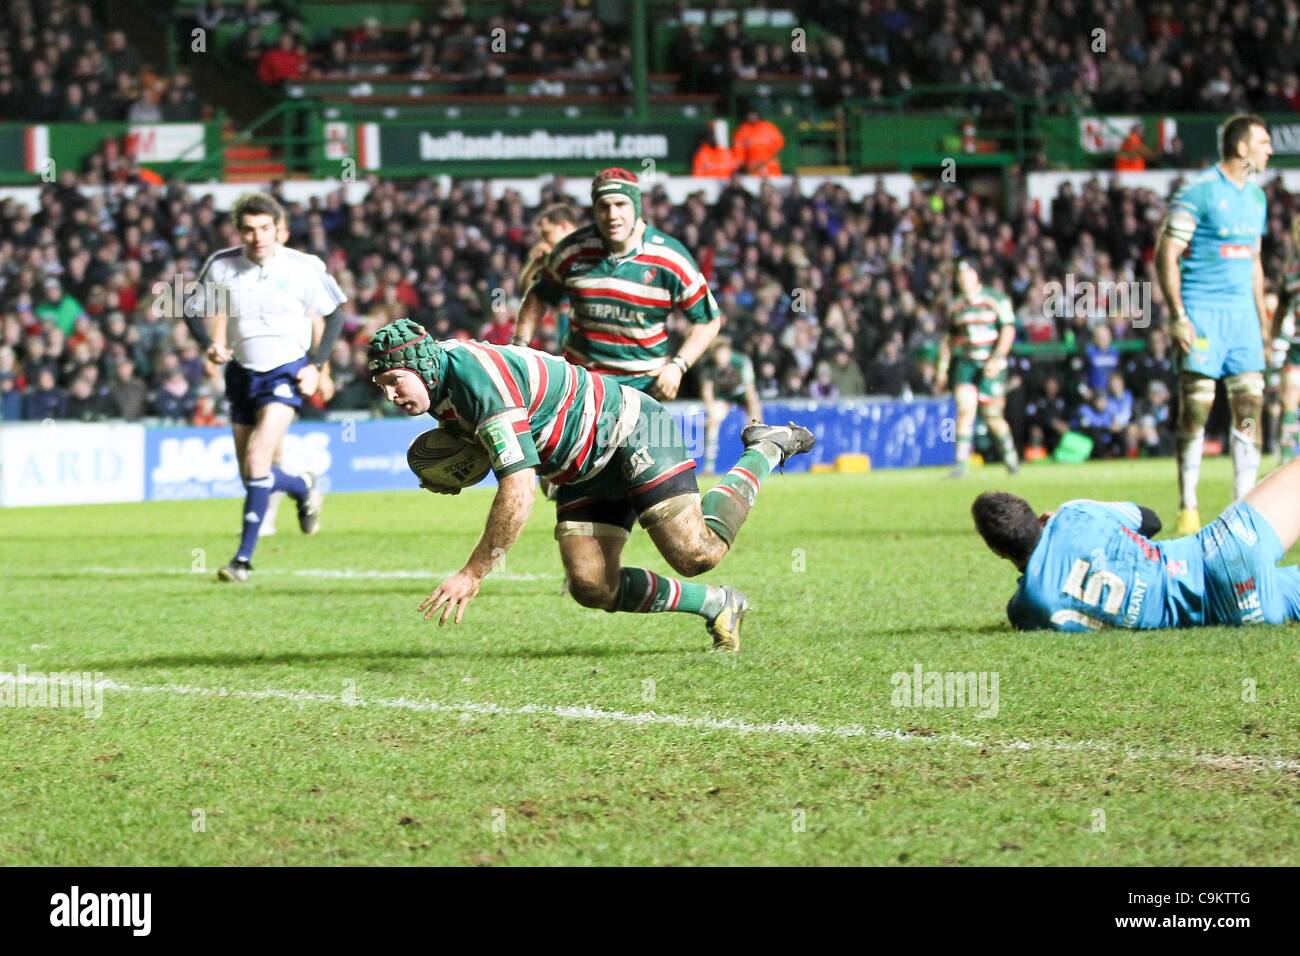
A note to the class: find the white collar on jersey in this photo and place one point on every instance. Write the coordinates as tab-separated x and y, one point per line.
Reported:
631	253
277	254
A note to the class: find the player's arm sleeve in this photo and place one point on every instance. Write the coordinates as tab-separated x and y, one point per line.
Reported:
325	298
196	323
1180	221
324	295
509	441
501	428
694	297
195	307
333	328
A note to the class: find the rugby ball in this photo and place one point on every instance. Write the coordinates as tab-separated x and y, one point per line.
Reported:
445	463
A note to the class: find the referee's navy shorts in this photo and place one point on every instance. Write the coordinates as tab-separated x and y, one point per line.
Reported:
247	391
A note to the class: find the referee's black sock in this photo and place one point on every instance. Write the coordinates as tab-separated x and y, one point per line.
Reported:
292	485
256	499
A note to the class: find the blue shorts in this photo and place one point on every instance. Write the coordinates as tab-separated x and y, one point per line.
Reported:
247	391
1243	584
1228	342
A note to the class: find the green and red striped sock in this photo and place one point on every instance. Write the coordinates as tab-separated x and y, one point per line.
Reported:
644	592
726	505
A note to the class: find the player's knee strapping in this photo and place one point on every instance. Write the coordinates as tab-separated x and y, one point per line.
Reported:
727	504
643	592
665	510
1246	399
1197	398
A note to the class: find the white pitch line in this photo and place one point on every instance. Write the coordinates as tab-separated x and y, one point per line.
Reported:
733	725
333	573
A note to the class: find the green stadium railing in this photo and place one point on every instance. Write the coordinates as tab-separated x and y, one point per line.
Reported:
295	132
984	125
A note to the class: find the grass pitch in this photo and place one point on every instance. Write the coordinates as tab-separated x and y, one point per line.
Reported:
312	717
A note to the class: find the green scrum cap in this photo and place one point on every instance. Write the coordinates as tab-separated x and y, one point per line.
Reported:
403	344
619	181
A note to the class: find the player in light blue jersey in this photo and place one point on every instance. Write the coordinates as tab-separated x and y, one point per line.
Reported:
1216	297
1092	564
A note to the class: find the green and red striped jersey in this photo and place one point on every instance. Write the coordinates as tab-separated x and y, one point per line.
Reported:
619	306
533	410
975	322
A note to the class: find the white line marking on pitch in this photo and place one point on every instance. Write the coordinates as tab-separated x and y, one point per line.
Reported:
780	727
344	573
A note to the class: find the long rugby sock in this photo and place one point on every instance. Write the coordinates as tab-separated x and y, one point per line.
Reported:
1006	443
1290	434
644	592
268	520
292	485
965	440
726	505
256	499
1190	450
1245	463
711	447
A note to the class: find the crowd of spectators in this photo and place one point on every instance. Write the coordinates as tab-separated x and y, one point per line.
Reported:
1119	55
830	297
562	39
58	64
1106	55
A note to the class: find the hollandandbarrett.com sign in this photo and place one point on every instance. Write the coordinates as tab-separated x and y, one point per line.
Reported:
541	144
491	148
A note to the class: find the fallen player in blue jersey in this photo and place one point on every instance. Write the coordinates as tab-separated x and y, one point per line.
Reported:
1092	564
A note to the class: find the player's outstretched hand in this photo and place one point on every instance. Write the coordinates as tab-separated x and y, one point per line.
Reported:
453	594
439	491
667	382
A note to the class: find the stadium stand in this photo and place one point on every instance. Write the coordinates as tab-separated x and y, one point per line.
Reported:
79	337
77	303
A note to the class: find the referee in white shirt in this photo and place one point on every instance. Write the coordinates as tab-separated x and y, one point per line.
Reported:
265	298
